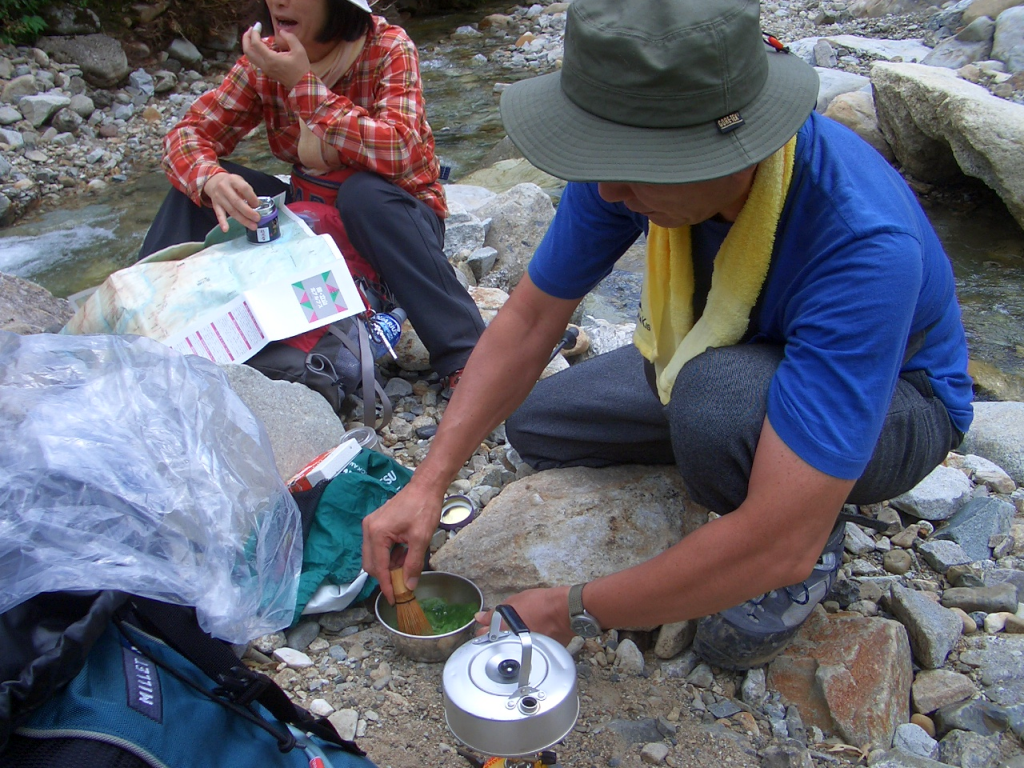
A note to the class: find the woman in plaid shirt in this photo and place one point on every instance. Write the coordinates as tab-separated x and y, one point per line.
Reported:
339	92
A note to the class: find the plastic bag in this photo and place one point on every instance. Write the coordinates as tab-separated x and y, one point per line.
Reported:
126	466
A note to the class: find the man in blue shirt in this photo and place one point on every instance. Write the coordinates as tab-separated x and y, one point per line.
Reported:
798	346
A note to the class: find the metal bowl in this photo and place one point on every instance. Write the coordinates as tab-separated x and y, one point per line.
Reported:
448	586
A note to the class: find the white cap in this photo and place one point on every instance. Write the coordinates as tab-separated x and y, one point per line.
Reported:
361	4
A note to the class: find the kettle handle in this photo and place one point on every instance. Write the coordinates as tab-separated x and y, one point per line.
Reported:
519	628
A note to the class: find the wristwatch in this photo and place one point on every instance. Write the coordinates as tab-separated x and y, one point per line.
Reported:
581	622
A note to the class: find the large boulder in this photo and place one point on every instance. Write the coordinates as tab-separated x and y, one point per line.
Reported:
299	421
997	434
1008	44
939	125
566	526
29	308
520	217
849	675
856	110
101	58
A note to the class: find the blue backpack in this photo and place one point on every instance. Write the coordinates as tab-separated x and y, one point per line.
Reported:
151	689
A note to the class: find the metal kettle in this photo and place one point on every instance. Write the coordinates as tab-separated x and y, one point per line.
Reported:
510	694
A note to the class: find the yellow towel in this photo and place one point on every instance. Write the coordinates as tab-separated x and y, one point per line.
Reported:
666	334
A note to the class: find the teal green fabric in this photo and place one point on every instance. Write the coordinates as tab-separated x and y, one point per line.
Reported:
333	550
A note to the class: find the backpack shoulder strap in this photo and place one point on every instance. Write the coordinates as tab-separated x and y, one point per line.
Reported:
371	388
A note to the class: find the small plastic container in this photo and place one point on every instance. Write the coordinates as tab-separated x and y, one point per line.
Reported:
365	436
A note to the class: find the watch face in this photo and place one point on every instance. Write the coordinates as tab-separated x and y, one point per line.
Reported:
584	626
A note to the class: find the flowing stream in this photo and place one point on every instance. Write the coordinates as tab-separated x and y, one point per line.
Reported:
76	247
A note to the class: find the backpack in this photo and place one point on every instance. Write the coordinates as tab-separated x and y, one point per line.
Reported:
108	680
336	360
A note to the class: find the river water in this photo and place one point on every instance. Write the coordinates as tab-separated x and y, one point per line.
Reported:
76	247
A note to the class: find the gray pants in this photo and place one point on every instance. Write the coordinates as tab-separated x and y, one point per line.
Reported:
603	412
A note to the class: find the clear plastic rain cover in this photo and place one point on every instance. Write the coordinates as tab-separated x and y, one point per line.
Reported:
124	465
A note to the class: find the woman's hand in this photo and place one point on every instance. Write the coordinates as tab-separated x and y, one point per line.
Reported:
544	611
286	65
231	195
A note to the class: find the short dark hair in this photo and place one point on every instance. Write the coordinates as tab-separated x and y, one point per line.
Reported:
345	21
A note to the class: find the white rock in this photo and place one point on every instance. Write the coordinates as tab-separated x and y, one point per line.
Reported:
294	659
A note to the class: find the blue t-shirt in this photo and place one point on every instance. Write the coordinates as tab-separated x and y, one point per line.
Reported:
856	271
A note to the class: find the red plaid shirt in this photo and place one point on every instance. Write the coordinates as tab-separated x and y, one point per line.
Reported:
374	117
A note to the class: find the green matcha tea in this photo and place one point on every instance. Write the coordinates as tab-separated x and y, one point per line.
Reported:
445	618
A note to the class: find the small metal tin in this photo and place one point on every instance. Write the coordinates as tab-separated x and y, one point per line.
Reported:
268	228
457	511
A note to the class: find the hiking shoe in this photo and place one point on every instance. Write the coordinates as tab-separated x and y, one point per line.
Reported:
755	632
451	381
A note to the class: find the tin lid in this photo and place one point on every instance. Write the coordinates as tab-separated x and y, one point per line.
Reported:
266	205
457	511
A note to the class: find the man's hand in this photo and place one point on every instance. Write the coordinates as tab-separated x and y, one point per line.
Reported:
232	196
286	65
544	611
410	518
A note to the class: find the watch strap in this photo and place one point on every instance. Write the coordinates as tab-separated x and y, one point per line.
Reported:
576	600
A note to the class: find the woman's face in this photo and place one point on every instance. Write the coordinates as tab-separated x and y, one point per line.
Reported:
303	18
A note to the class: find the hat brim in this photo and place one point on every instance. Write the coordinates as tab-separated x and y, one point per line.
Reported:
566	141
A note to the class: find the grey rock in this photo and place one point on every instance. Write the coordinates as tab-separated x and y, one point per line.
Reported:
825	55
398	387
7	70
938	496
937	688
857	542
520	219
1008	44
997	434
463	237
337	653
5	170
701	676
642	731
943	555
628	659
973	43
567	526
994	599
969	750
998	659
933	630
9	115
1007	575
977	716
788	755
654	753
795	724
302	634
12	139
754	688
29	308
680	667
67	120
833	82
299	421
605	337
185	52
345	722
674	638
975	523
897	758
18	88
913	739
164	81
101	58
940	126
142	81
69	19
724	708
482	260
340	620
82	105
5	209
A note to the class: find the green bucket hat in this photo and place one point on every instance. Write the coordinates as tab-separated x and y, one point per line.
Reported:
660	91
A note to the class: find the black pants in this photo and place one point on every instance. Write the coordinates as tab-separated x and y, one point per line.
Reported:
603	412
401	237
